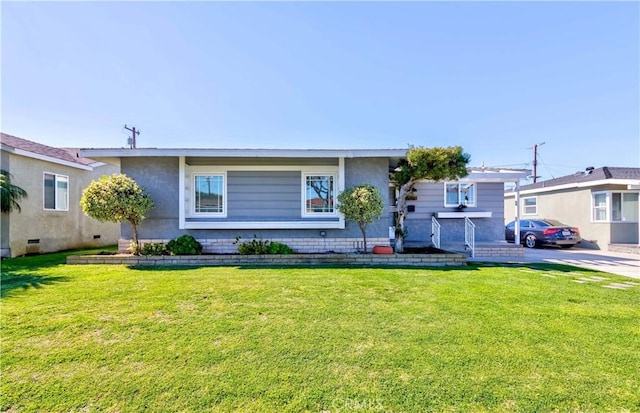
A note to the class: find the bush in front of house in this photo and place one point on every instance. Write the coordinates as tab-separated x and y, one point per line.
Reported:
184	245
258	246
279	248
157	248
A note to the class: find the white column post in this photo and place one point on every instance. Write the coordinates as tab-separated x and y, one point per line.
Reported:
341	183
517	226
181	198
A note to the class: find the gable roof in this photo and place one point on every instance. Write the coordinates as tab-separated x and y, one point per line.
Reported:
64	156
590	177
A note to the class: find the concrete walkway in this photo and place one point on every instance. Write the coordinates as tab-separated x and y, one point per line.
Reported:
618	263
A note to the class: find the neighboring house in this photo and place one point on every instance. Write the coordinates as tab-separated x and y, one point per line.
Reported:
51	218
602	203
283	195
436	208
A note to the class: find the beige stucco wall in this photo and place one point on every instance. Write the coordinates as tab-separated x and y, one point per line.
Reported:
56	230
574	207
4	218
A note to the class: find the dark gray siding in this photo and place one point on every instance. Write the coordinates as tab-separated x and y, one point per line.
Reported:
374	171
431	200
264	194
159	177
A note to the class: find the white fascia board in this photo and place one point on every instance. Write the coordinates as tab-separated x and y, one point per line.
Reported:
244	153
628	182
265	225
471	214
506	176
46	158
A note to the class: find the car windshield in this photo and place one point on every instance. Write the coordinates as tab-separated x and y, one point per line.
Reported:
541	224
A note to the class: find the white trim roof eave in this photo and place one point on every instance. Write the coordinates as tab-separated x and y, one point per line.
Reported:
243	153
46	158
631	184
504	175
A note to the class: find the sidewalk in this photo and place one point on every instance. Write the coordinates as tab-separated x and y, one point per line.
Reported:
618	263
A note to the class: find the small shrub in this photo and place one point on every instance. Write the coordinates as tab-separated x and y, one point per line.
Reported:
259	246
279	248
256	246
134	248
184	245
157	248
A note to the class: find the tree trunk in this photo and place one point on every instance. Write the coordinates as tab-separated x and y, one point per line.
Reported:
135	236
364	236
401	204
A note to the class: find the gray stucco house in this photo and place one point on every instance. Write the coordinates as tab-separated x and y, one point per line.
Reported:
601	202
286	195
51	218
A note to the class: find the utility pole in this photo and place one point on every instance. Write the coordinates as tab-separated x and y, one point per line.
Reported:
132	140
535	161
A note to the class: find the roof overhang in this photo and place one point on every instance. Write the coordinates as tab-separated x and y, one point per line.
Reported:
629	183
244	153
501	175
46	158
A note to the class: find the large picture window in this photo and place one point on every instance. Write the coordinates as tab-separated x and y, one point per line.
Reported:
319	194
624	206
209	194
56	192
615	206
459	193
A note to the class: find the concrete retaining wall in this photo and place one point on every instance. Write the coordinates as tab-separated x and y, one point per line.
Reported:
399	260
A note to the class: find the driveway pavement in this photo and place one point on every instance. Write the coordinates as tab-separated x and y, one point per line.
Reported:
618	263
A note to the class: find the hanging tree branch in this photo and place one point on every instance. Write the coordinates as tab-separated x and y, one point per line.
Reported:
434	164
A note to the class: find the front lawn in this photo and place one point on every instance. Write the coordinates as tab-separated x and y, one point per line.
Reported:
113	338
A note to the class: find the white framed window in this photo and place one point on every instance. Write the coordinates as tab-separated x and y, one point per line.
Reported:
459	193
624	206
530	206
599	207
319	194
56	192
617	206
209	194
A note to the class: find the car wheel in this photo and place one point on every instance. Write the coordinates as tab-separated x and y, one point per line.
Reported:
530	241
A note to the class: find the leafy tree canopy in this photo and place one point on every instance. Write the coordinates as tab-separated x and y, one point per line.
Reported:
362	204
10	194
116	198
437	164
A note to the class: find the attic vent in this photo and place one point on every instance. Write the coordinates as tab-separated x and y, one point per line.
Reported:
33	241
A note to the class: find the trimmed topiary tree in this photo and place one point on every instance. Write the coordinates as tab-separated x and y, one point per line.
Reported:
362	204
434	164
117	198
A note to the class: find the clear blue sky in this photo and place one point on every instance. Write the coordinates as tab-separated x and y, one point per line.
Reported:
493	77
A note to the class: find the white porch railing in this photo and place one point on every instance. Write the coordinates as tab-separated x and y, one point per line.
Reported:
435	232
470	235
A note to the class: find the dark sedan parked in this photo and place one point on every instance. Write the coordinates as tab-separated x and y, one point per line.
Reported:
536	232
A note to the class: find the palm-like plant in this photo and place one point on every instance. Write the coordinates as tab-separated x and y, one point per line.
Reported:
10	194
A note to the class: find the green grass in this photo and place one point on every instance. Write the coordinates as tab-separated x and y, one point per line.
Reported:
481	338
